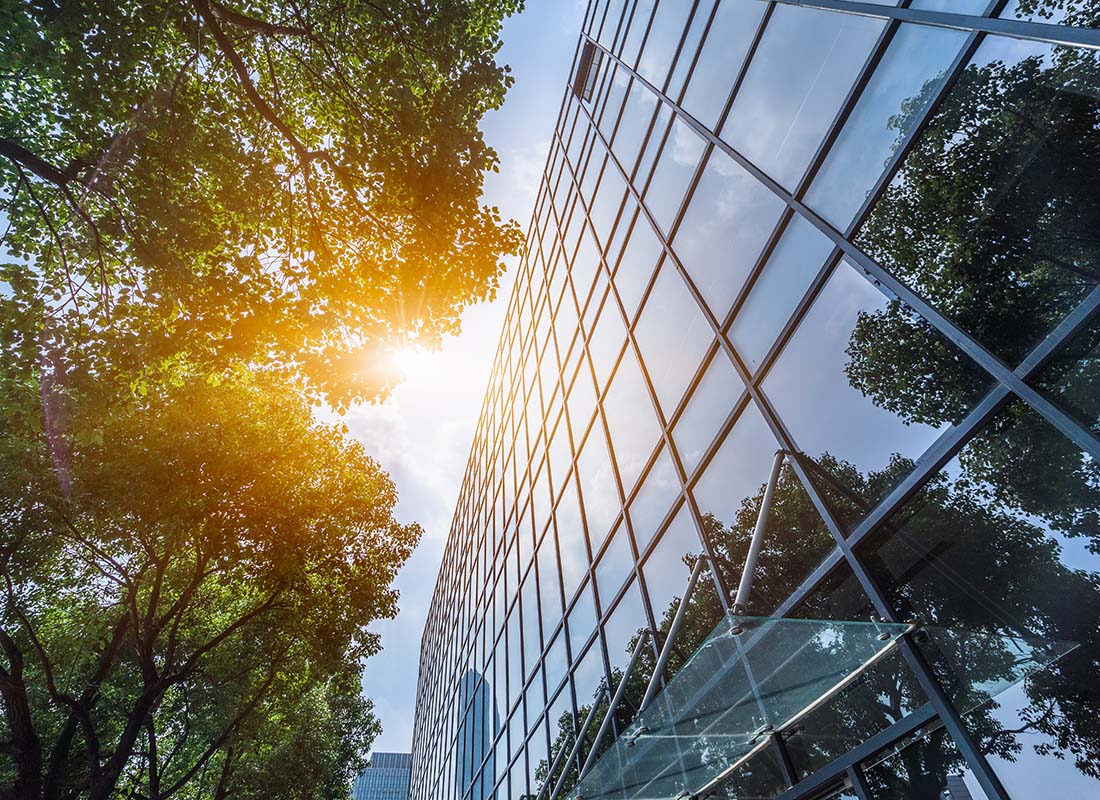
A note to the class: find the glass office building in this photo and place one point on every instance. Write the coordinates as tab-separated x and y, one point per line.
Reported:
818	280
385	778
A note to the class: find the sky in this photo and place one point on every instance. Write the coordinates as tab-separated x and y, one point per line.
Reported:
422	434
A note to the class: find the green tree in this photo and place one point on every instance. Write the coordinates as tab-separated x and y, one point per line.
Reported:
188	577
291	185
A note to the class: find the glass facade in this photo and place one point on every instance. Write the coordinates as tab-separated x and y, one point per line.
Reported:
385	778
862	234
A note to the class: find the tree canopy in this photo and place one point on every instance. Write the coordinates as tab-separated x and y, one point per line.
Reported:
215	216
293	185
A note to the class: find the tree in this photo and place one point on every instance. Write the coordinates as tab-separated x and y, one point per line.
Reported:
289	185
186	609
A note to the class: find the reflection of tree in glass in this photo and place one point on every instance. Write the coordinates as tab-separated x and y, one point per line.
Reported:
976	566
994	217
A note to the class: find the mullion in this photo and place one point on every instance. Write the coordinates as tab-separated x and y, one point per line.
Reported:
882	278
974	758
665	426
1046	33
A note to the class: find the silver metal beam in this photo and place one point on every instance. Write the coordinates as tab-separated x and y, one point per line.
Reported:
583	732
740	602
673	632
615	700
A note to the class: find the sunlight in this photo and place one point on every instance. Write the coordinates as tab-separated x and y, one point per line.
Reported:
413	362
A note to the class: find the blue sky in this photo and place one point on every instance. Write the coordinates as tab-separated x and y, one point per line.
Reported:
422	434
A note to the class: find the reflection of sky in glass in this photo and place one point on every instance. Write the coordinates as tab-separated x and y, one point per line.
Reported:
674	172
653	500
708	408
673	337
803	68
724	229
739	469
614	566
797	258
731	33
916	54
630	420
813	396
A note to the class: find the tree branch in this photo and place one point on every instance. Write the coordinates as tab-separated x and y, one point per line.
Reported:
253	25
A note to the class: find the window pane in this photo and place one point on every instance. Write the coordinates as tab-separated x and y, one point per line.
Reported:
601	497
681	154
714	398
572	550
664	37
865	386
724	229
653	500
1073	377
639	258
673	336
909	72
802	70
728	40
637	114
1005	539
994	217
796	260
630	420
614	566
626	621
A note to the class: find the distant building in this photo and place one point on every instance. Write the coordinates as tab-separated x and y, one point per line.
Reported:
385	778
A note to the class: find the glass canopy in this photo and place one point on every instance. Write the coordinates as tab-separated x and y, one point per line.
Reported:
754	676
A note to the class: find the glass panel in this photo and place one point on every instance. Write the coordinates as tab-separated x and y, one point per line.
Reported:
729	496
614	566
582	621
798	78
931	767
731	33
572	549
754	675
668	568
660	46
653	500
631	421
796	260
1073	377
627	621
637	263
994	216
749	673
865	386
908	74
673	336
713	400
598	488
724	228
606	342
637	114
676	167
1004	540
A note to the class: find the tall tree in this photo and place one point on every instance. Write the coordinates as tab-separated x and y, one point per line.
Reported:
185	612
294	185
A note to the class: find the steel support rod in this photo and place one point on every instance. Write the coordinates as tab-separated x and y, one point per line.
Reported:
578	743
605	726
673	632
740	602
